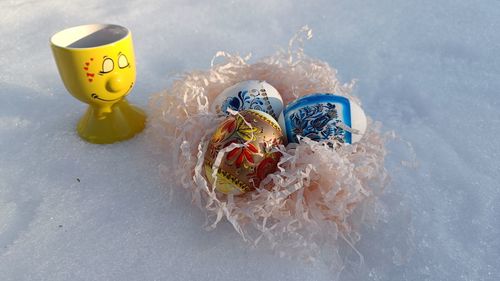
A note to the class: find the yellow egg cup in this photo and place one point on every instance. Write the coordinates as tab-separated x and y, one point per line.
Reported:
97	66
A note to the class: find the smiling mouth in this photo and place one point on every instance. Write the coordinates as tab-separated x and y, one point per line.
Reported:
96	97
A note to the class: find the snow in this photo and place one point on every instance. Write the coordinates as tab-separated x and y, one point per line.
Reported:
429	70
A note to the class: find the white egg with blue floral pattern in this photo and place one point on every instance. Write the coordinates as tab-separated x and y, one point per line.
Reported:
249	94
323	116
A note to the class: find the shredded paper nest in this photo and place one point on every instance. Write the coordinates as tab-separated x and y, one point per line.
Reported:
318	197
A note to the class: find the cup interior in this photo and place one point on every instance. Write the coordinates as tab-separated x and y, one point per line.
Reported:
89	36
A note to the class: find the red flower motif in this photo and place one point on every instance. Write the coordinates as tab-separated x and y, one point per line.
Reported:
226	129
267	166
229	125
240	154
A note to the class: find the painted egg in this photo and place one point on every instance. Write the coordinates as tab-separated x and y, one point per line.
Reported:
250	94
322	117
243	143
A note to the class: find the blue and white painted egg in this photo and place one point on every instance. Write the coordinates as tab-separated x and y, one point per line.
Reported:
322	117
249	94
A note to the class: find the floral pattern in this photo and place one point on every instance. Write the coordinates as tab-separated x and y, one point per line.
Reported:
253	99
246	131
267	166
246	165
242	155
235	125
225	130
318	122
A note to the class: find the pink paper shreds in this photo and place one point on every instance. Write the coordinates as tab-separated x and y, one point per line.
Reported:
319	196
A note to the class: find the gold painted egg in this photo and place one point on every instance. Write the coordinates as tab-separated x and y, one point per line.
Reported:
245	142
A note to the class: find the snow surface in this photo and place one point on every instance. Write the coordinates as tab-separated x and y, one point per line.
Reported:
429	70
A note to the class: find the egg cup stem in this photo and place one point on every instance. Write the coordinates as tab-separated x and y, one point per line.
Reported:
118	122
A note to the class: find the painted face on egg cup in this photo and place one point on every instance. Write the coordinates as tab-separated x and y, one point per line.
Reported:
97	66
323	116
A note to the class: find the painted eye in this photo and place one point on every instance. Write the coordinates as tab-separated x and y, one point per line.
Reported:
122	61
107	65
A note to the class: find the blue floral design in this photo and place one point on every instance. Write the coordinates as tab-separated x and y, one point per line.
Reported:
317	122
245	100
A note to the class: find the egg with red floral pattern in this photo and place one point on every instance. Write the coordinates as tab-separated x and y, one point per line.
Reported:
242	153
